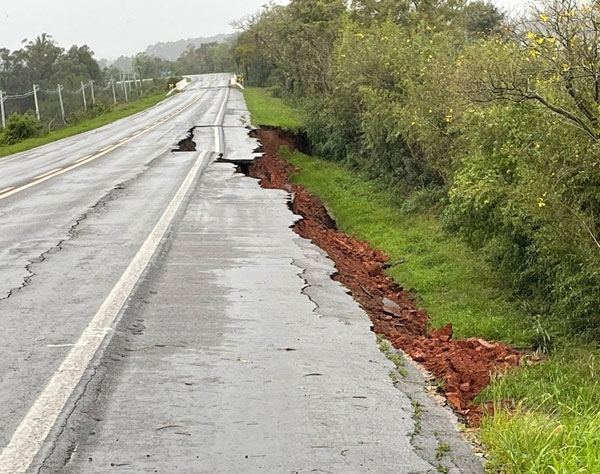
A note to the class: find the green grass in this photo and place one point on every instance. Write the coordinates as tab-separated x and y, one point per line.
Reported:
547	418
267	110
119	112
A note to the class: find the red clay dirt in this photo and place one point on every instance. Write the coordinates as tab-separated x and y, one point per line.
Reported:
462	367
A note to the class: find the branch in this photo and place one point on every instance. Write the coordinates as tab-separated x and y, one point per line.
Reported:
564	113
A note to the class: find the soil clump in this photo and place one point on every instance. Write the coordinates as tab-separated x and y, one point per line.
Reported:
460	368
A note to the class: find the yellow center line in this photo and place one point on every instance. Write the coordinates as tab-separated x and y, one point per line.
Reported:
123	139
48	173
5	190
86	159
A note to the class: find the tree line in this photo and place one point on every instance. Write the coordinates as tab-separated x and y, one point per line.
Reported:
491	122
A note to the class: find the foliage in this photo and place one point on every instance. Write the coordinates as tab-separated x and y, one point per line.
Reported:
290	46
496	122
20	127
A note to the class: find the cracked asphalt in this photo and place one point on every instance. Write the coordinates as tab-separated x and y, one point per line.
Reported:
236	351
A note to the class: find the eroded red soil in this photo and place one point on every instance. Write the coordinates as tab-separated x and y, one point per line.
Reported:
463	367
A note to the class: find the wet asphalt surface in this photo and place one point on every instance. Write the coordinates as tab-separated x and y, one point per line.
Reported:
235	352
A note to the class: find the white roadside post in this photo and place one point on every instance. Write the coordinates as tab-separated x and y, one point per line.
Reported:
62	107
83	92
2	109
92	88
112	83
37	105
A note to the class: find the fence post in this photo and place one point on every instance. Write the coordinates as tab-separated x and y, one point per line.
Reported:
2	109
112	83
83	92
62	107
124	84
93	96
37	105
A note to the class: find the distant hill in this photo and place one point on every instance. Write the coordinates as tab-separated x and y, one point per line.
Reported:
171	50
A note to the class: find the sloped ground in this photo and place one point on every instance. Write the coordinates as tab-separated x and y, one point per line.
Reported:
463	368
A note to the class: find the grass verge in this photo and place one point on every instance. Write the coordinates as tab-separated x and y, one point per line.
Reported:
546	418
267	110
120	111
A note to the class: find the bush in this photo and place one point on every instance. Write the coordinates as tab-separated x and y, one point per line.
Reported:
20	127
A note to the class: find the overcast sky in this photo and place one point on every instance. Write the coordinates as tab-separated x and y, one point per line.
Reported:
112	28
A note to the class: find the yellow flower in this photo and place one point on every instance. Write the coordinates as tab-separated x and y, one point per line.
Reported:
540	40
544	17
530	35
565	67
534	53
540	202
359	35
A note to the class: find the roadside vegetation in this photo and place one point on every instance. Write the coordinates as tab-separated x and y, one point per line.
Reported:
465	146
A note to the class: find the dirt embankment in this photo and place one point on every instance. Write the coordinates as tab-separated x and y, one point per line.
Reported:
462	368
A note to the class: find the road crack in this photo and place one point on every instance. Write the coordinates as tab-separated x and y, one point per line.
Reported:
71	234
306	286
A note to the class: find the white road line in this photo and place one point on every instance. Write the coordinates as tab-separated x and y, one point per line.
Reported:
29	436
218	122
47	174
5	190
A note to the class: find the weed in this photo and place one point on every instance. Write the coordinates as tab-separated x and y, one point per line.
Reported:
442	450
394	376
418	410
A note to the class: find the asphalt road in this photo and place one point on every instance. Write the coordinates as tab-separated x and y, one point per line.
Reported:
159	315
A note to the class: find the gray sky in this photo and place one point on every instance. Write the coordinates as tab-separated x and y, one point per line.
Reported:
112	28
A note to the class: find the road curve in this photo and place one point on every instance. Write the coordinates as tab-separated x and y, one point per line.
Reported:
160	315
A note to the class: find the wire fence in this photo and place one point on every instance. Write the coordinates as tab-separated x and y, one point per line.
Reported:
59	106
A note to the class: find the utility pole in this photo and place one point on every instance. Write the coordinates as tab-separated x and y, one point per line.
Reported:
2	109
62	107
92	88
112	84
37	105
83	92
